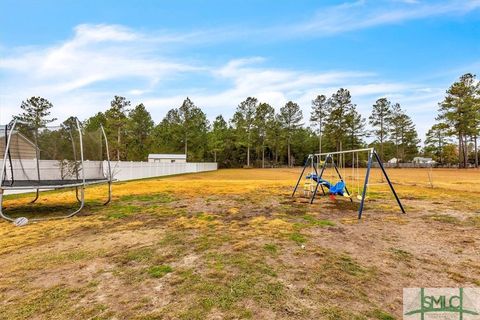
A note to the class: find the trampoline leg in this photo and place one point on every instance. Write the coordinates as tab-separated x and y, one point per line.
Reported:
109	193
36	196
76	194
82	203
1	208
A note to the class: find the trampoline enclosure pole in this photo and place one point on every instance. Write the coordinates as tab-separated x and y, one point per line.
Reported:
7	148
82	191
110	178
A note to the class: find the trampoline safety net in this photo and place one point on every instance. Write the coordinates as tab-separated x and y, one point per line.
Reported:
51	156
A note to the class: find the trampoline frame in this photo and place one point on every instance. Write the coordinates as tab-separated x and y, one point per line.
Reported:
82	185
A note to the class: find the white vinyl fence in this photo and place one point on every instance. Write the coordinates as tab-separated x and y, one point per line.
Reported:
122	170
130	170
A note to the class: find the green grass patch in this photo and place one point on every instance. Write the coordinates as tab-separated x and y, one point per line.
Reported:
337	313
153	197
117	215
49	303
122	211
401	255
159	271
293	210
380	315
334	269
210	239
226	295
137	255
474	221
443	218
271	248
241	262
205	216
297	237
317	222
350	266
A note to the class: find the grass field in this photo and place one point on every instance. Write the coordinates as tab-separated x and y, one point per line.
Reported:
233	244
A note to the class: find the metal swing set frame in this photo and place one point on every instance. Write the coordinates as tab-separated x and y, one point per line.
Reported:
80	183
314	159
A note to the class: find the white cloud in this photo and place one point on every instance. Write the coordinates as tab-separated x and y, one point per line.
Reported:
82	74
361	14
95	54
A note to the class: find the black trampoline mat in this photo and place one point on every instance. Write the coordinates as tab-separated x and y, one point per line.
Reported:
48	183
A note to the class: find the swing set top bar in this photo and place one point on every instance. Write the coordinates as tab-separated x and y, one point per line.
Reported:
341	152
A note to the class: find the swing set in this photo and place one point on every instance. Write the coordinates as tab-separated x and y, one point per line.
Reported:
319	163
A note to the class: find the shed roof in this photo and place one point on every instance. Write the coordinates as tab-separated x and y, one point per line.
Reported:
167	156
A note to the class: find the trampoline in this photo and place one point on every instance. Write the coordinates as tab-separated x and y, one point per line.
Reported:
39	158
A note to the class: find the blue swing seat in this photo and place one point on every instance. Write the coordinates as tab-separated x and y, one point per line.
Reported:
336	189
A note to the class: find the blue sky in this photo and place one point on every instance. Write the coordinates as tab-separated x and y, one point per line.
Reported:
78	54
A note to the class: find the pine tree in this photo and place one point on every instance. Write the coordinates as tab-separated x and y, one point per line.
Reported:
243	121
380	119
191	120
436	140
396	123
409	139
218	136
95	122
290	118
116	122
166	137
355	128
402	134
183	129
34	116
318	115
339	106
264	115
475	126
458	112
139	128
274	138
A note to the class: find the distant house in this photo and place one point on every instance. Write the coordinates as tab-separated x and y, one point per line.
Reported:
393	161
20	146
422	160
167	158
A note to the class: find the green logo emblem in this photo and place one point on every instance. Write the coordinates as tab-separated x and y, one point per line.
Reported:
448	302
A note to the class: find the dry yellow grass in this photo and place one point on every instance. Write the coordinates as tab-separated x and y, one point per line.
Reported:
233	244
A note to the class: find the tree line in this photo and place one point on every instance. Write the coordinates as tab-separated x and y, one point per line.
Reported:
259	135
458	119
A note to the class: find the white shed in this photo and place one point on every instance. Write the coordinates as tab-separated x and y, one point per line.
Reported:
167	157
393	161
423	160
